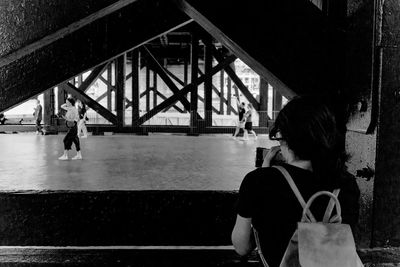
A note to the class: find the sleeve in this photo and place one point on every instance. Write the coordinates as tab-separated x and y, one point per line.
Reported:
245	204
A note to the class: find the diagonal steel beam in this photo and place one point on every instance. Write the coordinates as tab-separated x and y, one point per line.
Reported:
164	76
108	115
93	76
185	90
231	73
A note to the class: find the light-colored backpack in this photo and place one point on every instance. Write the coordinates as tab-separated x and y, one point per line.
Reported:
324	244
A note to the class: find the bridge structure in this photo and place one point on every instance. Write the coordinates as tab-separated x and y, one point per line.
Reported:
153	58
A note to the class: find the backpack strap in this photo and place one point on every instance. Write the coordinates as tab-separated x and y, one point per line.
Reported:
295	190
331	205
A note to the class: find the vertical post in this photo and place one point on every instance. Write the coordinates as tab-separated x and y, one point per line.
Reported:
194	93
62	95
109	87
120	90
276	103
208	80
185	77
154	89
79	80
135	87
222	93
48	107
229	96
263	112
147	88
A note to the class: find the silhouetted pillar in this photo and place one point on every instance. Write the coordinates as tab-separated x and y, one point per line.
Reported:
135	87
120	90
263	114
194	91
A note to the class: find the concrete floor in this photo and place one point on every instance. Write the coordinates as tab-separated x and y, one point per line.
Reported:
127	162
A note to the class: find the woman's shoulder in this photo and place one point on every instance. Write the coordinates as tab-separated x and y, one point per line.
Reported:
264	176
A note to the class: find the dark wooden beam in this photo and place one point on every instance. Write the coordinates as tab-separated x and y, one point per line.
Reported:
120	66
135	86
109	86
194	61
48	106
263	111
229	104
208	86
198	14
147	89
50	65
107	82
93	76
231	73
184	91
63	32
70	88
219	94
172	106
155	65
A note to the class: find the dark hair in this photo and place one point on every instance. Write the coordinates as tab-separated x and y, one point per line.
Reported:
310	131
71	100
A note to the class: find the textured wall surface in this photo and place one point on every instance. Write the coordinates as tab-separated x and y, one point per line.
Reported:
25	21
117	218
85	48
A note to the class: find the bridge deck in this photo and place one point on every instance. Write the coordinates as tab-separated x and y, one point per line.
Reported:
126	162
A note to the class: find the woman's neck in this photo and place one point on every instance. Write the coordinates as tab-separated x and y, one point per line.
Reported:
303	164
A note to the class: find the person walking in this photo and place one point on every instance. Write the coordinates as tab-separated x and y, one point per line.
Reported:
241	106
82	119
71	120
248	126
37	114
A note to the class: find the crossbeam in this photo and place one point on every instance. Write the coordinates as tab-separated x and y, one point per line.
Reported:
164	76
91	103
93	76
184	91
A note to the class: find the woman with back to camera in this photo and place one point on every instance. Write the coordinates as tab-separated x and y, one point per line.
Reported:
313	150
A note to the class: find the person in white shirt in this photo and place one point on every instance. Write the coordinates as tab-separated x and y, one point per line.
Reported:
71	120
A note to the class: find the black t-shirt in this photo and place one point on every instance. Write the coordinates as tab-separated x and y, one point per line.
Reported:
241	113
266	197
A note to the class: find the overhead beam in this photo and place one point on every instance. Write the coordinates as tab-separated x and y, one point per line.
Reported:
164	76
219	35
63	32
93	76
70	88
45	67
168	102
232	74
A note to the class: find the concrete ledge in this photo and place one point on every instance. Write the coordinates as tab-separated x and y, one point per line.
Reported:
115	218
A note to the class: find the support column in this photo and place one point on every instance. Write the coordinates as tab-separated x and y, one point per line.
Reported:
194	91
109	87
222	89
48	107
276	103
135	87
154	89
386	198
229	96
208	81
263	112
147	96
120	90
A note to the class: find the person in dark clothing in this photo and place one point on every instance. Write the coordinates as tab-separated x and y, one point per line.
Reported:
315	157
37	114
241	106
71	120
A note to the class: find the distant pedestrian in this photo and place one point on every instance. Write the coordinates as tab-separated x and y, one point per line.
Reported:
248	127
71	120
82	119
241	119
37	114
